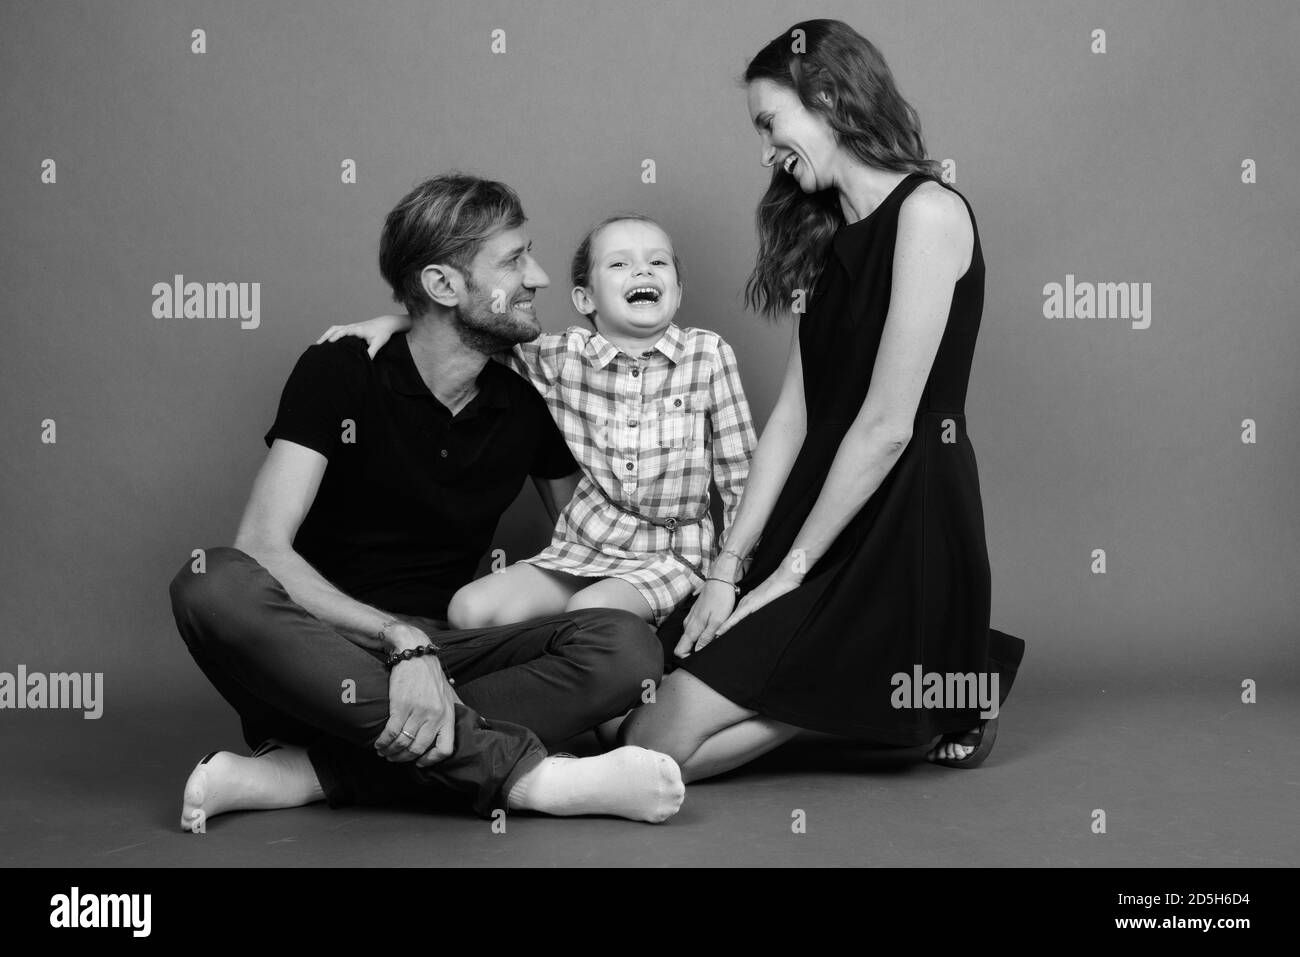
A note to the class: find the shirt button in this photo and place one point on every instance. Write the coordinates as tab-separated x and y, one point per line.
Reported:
629	466
677	401
631	423
443	453
635	373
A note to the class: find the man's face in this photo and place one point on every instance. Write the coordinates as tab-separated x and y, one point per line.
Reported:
497	311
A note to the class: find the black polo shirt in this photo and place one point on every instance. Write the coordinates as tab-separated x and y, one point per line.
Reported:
411	496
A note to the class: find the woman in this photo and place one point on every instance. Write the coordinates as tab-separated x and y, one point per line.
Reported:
858	548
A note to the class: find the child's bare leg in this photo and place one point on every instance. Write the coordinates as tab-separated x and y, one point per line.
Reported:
517	593
612	593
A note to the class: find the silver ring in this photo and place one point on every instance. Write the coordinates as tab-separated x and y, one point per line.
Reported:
407	733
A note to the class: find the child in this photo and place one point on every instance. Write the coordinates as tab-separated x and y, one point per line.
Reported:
651	412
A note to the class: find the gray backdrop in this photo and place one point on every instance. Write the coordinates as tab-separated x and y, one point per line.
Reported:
1123	166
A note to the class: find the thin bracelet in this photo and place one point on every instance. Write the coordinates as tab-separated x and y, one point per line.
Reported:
734	586
740	559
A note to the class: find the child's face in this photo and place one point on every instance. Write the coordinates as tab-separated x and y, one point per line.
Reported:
634	289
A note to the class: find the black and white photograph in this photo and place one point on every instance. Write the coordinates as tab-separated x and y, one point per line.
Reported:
645	434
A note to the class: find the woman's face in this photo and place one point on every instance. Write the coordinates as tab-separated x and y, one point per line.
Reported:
797	139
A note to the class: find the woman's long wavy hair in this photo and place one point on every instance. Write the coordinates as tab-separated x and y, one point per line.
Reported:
869	117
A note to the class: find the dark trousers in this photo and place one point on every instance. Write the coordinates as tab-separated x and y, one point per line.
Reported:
525	687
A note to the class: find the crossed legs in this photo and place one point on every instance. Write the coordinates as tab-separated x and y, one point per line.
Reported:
291	676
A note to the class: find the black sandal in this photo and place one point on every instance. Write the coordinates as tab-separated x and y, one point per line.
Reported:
981	739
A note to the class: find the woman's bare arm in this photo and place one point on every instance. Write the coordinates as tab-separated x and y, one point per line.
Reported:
774	457
933	247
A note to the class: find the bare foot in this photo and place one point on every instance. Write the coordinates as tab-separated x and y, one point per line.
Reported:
950	750
230	782
968	749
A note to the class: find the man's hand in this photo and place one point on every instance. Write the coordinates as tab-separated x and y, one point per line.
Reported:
715	602
421	703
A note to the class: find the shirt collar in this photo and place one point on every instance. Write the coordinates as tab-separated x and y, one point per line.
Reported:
405	377
600	352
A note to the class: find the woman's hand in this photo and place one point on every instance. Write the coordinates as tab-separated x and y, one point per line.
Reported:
375	331
715	602
780	582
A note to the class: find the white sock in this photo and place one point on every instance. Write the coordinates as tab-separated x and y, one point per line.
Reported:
630	782
224	782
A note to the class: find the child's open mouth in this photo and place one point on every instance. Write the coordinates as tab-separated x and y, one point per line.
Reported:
642	296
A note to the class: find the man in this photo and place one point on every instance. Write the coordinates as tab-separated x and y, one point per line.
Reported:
324	625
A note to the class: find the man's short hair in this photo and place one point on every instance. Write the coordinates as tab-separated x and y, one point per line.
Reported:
443	221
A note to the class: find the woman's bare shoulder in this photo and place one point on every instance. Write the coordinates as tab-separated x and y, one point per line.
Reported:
932	203
934	213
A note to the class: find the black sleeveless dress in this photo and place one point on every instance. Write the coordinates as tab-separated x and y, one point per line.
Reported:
906	583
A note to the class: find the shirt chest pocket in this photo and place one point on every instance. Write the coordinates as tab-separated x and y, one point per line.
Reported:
675	421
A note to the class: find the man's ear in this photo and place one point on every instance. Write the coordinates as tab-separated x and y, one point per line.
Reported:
442	284
582	301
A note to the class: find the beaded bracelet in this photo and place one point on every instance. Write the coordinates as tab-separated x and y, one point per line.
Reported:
410	653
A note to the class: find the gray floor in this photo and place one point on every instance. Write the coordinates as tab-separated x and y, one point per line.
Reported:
1186	775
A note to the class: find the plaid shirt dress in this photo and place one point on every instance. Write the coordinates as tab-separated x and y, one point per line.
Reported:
649	432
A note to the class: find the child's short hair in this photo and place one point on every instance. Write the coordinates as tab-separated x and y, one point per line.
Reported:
580	270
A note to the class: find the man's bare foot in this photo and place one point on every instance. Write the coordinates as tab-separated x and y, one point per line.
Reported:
630	782
230	782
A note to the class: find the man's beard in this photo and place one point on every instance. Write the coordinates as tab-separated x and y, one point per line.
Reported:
486	331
